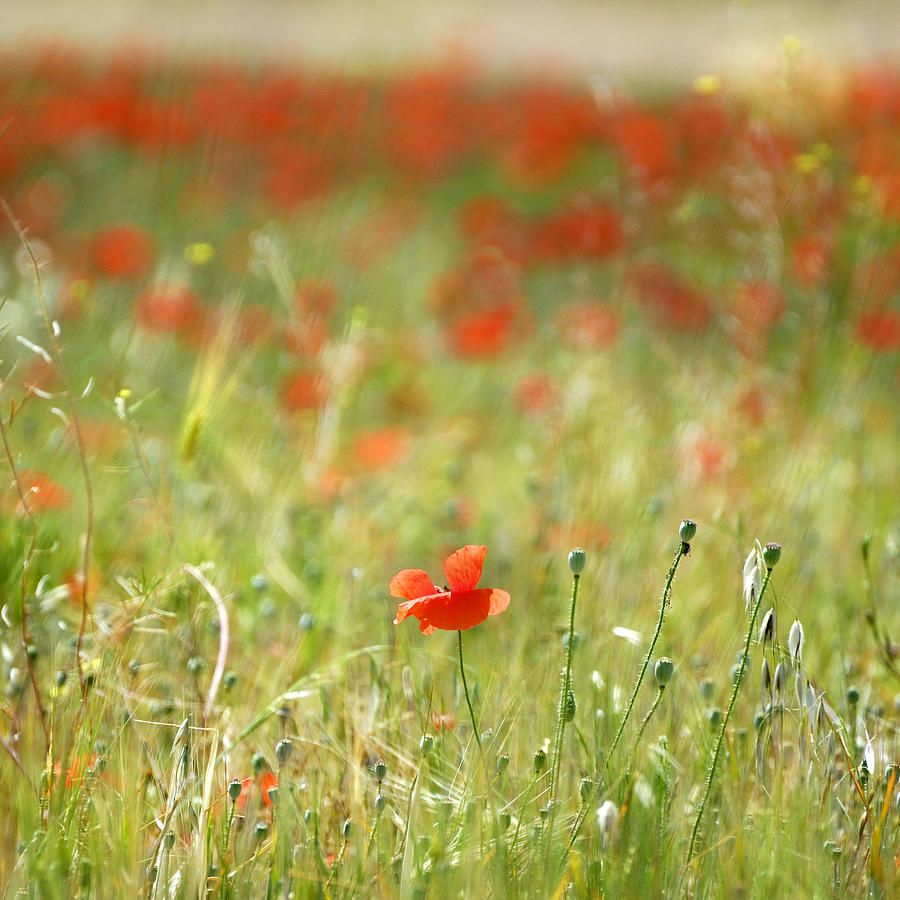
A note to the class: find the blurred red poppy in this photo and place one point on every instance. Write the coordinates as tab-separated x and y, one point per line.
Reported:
880	330
810	259
123	251
41	493
666	296
168	308
536	393
302	391
382	447
461	605
591	325
482	334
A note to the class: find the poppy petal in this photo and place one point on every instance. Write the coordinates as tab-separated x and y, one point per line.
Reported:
412	584
414	607
499	601
463	568
455	611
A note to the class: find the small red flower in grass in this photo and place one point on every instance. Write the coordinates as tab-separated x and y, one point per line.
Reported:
266	782
459	606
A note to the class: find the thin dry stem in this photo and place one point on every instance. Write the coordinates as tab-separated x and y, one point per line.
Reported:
222	655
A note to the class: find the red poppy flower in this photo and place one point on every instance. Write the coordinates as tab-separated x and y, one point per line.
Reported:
459	606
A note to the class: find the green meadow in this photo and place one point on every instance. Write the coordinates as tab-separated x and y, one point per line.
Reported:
277	343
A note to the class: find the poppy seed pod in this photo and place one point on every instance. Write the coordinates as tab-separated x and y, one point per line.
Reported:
234	789
687	530
577	560
771	555
540	760
380	770
283	751
664	670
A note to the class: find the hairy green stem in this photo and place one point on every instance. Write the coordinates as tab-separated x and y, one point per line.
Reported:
745	656
640	734
462	672
563	697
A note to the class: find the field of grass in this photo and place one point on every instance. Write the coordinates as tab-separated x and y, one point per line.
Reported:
272	336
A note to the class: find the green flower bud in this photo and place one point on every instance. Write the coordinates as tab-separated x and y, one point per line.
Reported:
570	706
853	695
687	530
585	789
169	840
540	760
577	559
258	762
771	555
714	716
195	665
345	831
426	744
664	670
502	763
229	681
379	804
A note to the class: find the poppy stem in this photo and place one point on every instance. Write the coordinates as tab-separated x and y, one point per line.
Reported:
462	672
564	712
